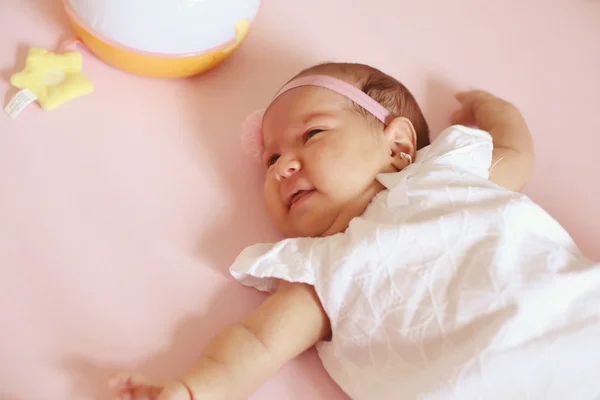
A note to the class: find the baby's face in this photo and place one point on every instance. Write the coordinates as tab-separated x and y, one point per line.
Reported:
322	159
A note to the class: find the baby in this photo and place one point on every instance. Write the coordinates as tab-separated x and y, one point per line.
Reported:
418	270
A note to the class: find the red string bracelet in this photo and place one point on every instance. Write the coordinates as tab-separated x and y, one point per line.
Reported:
187	387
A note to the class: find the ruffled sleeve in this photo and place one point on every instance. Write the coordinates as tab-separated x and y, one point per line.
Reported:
262	265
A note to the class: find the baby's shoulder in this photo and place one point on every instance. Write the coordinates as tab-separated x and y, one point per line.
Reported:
458	139
460	149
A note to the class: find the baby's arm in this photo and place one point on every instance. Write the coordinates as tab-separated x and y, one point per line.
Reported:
242	357
513	156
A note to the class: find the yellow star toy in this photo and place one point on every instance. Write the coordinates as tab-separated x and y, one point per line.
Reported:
53	78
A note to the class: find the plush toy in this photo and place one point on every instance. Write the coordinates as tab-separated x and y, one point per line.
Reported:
162	38
51	79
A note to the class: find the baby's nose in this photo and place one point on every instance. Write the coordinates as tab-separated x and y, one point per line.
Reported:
288	166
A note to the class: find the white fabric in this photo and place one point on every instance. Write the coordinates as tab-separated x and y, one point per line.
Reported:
448	287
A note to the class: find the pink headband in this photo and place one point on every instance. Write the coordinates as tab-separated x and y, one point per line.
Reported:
252	127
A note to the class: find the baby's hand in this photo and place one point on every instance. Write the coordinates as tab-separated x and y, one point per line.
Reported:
138	387
513	156
485	111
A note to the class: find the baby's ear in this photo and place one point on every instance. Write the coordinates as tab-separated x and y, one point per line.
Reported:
402	138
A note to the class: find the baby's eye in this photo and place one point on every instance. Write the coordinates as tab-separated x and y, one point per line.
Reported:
273	159
311	133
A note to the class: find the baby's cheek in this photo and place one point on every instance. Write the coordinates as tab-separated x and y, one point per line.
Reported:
272	200
273	206
352	174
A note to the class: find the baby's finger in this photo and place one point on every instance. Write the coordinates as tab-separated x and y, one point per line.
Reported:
456	117
462	116
462	97
468	98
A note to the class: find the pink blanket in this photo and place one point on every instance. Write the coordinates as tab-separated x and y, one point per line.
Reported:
121	211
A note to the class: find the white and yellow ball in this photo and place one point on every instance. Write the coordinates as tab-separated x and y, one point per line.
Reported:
162	38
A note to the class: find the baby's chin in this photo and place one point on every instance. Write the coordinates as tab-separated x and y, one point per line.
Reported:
305	226
316	225
303	230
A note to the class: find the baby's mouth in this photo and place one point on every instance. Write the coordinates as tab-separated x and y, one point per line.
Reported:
299	196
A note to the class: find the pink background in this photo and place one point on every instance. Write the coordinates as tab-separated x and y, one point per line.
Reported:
121	211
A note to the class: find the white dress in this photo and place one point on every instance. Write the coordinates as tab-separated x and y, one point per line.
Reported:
448	287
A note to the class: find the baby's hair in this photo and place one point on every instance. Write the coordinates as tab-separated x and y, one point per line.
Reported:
389	92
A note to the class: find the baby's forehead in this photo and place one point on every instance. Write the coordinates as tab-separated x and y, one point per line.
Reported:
302	104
